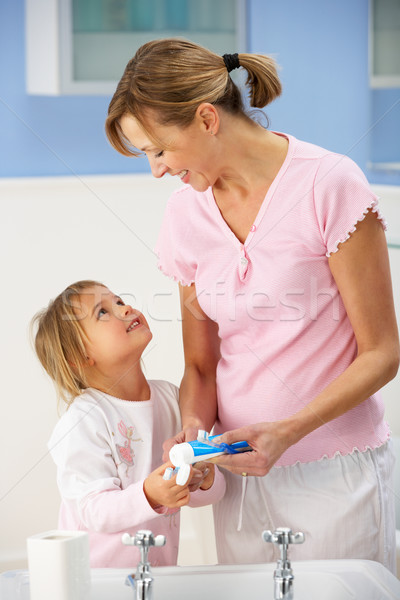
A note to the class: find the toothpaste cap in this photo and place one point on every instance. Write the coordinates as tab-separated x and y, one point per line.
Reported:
181	454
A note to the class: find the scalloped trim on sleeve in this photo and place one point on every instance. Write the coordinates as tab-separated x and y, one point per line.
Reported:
373	207
173	277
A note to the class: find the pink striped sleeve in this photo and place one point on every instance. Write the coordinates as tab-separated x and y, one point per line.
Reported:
342	198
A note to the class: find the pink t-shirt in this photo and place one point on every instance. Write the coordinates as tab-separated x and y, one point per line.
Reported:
284	331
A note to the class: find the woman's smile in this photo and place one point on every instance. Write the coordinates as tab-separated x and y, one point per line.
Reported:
184	176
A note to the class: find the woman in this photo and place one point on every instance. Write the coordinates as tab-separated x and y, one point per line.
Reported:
289	328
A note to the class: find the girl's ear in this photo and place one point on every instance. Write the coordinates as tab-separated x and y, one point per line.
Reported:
88	363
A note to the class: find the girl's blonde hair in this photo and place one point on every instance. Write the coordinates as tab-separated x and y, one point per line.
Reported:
59	341
172	77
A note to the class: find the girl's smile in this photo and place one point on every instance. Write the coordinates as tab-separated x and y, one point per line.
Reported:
135	323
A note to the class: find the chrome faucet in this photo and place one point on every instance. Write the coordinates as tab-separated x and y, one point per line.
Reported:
283	574
142	580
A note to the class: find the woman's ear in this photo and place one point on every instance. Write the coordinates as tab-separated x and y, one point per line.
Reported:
208	117
89	361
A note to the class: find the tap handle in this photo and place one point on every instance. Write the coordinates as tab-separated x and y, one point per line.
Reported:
160	540
144	539
283	536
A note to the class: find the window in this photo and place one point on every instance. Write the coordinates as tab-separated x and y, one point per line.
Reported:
384	61
94	39
385	43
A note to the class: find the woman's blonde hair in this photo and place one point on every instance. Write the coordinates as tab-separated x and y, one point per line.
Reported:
172	77
59	341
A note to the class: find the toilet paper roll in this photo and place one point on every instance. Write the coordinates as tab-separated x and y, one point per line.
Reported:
58	563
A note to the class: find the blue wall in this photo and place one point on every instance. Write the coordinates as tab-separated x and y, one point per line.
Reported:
321	46
48	135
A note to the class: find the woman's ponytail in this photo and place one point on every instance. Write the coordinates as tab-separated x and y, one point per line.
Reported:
262	78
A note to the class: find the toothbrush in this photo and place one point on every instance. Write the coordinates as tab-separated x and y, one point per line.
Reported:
203	449
182	474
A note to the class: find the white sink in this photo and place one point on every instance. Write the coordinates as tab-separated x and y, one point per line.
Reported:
314	580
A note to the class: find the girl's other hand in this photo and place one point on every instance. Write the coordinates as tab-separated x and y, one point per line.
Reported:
203	476
208	476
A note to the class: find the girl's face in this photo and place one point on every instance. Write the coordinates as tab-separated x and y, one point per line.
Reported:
186	153
116	332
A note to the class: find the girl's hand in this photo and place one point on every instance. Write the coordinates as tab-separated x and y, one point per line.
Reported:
161	492
208	476
203	476
186	435
268	442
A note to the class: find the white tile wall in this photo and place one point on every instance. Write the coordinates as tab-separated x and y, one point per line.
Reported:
55	231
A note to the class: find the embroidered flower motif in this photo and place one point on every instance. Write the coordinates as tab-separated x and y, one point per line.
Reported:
125	452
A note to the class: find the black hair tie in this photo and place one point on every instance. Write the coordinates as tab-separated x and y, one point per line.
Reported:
231	61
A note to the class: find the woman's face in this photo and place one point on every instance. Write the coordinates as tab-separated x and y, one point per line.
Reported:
186	152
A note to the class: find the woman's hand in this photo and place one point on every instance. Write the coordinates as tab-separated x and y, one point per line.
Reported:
186	435
268	442
161	492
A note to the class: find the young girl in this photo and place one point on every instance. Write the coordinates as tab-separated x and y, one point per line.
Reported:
108	444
